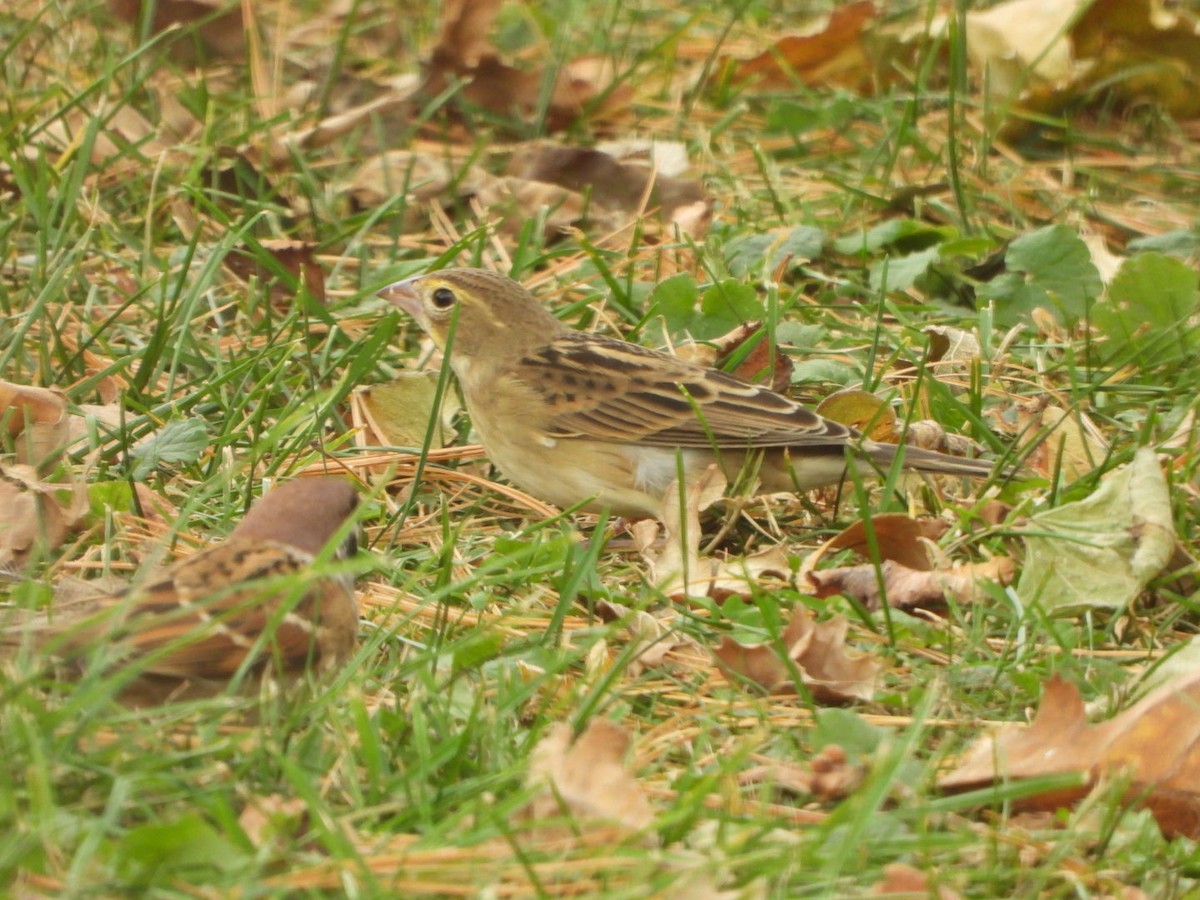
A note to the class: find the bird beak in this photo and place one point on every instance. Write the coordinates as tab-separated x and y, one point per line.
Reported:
405	296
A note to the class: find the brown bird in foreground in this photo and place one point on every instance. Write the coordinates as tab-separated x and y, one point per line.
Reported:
574	418
248	605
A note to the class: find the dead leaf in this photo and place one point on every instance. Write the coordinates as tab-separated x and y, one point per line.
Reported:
911	589
219	24
284	265
817	650
464	55
949	345
758	363
650	638
463	32
528	193
827	777
273	819
1067	442
903	879
897	537
1155	744
1041	56
1102	551
835	55
677	569
37	419
388	110
32	515
863	411
928	434
587	778
516	202
629	188
398	413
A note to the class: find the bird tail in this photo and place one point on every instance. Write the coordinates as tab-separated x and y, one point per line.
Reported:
930	461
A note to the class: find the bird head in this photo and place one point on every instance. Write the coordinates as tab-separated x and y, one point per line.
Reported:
477	307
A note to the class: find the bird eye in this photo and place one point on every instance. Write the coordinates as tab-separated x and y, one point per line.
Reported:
443	298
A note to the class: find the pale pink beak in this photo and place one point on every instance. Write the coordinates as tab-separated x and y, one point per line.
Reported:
405	296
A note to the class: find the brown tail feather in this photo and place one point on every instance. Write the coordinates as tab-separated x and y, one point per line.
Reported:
930	461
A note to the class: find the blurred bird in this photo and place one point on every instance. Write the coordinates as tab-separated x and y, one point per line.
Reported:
574	418
247	606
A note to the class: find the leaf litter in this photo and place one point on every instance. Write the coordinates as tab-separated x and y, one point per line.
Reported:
500	84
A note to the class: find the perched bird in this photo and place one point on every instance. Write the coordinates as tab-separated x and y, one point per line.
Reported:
573	417
247	605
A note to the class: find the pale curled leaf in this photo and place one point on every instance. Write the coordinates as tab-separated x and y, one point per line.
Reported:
1155	744
589	776
37	418
677	570
911	589
650	638
816	649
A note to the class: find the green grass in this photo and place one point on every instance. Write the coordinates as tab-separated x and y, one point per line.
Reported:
406	774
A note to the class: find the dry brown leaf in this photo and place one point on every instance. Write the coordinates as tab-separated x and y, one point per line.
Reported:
649	637
629	188
906	880
220	27
763	364
928	434
1155	744
1043	55
22	404
37	419
948	344
909	588
588	777
124	138
564	187
816	649
419	177
516	202
897	537
31	513
464	53
389	109
835	55
1068	440
678	566
463	32
273	819
827	777
295	262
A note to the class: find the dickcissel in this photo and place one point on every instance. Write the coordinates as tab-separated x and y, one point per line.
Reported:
249	606
578	418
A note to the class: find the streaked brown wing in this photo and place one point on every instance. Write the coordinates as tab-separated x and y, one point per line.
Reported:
209	613
611	390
